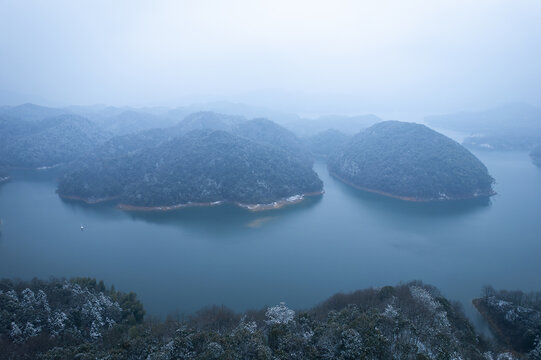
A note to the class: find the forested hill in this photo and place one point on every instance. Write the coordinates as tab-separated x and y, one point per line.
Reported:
412	162
37	136
259	130
47	142
326	143
201	166
82	319
40	315
208	120
269	133
30	112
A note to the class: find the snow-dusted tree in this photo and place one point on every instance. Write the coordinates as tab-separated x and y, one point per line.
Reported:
279	314
535	353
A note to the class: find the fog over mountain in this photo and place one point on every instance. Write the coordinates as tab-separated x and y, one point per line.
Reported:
191	179
346	57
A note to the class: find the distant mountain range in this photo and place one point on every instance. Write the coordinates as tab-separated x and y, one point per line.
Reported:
33	139
325	144
121	120
508	127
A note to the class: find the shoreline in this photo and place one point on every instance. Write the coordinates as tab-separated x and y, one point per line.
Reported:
88	201
295	199
127	207
407	198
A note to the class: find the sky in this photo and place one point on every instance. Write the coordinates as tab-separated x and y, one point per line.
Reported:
303	56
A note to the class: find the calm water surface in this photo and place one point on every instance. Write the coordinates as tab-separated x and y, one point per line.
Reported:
342	241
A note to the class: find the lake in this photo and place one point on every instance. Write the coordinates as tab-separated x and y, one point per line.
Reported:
302	254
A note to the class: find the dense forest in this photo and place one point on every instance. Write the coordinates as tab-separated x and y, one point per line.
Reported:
267	132
47	142
202	166
411	161
83	319
514	317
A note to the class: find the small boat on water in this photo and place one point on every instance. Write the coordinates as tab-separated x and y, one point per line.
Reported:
82	227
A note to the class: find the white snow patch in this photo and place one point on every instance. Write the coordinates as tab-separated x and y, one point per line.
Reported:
279	314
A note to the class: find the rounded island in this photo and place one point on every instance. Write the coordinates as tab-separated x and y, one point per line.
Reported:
412	162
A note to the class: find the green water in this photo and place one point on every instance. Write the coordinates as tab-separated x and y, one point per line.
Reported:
342	241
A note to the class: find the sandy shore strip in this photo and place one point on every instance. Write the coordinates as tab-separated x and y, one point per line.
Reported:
408	198
167	207
295	199
251	207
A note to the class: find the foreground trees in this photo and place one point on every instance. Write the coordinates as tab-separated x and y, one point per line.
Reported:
83	319
514	317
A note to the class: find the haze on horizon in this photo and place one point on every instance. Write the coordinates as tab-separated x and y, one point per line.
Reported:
301	56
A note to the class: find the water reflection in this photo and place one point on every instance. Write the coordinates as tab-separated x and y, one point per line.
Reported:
102	211
226	218
434	209
222	219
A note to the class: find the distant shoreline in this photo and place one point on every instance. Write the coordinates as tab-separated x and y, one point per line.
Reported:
295	199
408	198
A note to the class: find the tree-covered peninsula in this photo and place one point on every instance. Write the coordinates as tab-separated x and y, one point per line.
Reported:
411	162
200	167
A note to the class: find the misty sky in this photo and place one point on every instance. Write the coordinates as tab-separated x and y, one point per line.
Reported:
339	56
